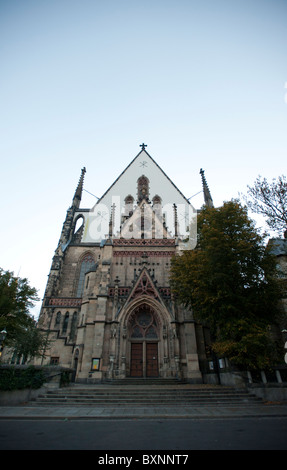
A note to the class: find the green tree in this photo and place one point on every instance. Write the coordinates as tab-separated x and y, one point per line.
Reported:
16	298
29	341
229	281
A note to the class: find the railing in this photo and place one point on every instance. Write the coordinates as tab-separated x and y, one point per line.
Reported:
221	371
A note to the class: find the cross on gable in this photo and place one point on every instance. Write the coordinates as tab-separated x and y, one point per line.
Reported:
143	146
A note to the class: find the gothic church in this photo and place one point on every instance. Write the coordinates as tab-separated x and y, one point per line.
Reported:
108	308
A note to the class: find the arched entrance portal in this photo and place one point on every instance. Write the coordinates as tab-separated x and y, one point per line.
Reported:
144	337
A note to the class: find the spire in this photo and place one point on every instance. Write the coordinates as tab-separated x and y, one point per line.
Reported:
68	225
207	196
112	219
79	190
175	220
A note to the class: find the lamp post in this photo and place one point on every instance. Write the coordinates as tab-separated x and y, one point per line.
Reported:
285	346
3	334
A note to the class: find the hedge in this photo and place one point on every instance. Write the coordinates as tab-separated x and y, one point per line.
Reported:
18	379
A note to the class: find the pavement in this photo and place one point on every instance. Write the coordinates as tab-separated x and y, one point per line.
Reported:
28	412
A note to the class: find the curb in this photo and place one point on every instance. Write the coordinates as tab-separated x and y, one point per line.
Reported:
32	413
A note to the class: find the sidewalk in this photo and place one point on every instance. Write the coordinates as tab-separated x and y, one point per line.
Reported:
137	412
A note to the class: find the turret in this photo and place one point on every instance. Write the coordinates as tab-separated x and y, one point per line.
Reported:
69	221
66	234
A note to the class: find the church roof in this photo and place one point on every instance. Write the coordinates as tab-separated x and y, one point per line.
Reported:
142	154
142	179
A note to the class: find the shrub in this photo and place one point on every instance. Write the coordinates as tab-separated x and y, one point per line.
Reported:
13	378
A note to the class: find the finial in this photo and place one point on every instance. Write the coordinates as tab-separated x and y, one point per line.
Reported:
175	220
143	146
112	218
78	192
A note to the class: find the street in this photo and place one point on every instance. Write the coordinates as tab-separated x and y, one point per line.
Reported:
140	434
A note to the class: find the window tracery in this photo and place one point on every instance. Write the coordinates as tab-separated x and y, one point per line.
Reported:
87	264
143	324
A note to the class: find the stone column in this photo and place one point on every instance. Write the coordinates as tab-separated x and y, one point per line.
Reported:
193	373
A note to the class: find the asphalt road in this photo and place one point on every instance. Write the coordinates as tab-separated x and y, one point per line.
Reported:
139	434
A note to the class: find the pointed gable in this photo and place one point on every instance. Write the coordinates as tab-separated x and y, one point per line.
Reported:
142	179
144	287
143	165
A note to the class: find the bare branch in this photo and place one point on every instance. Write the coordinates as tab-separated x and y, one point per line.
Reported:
269	200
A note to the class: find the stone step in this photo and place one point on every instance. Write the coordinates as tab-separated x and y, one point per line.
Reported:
163	380
142	399
117	403
126	396
138	394
135	386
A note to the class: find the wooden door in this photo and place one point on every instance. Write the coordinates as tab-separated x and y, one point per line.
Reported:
151	360
136	359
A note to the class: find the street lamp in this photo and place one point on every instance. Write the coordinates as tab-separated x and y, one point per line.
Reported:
3	334
285	347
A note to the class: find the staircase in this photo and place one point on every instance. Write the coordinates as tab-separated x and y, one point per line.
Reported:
131	381
145	393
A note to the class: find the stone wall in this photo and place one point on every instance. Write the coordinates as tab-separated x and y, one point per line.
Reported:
18	397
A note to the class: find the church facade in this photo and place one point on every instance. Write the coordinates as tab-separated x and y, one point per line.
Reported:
108	308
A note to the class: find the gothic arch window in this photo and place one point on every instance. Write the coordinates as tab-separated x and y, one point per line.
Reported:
143	188
65	323
78	229
157	205
156	200
129	203
74	325
143	324
87	264
58	319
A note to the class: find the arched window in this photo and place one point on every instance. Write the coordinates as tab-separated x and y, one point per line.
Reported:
143	324
129	205
157	205
65	323
156	200
78	229
143	188
58	320
87	265
74	326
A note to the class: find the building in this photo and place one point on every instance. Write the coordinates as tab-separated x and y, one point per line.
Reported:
278	247
108	306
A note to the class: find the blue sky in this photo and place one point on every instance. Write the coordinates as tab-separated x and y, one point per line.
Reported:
84	83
